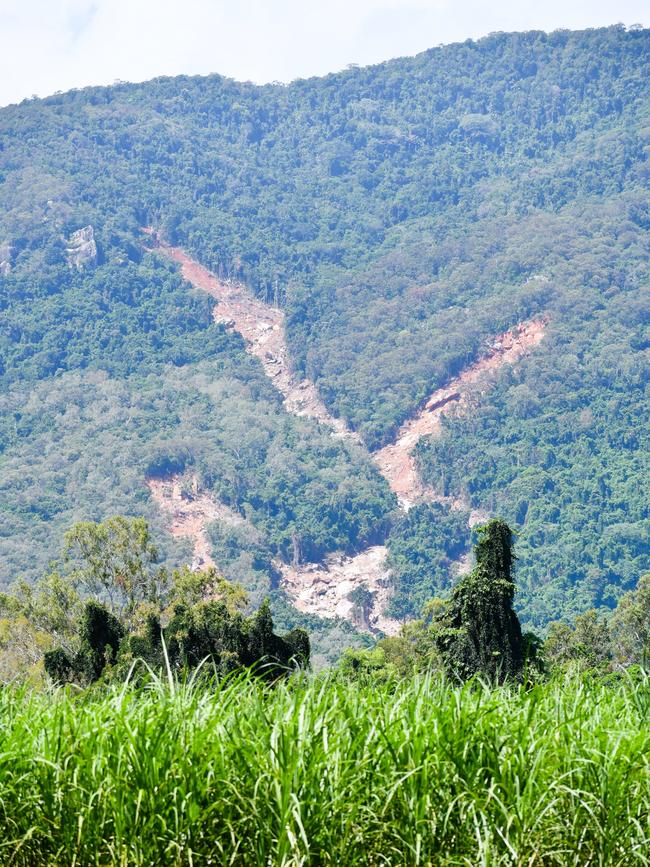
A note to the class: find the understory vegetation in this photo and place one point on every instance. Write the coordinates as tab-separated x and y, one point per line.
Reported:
328	771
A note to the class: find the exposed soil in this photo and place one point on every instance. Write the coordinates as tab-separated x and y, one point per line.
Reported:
395	461
323	588
190	511
262	327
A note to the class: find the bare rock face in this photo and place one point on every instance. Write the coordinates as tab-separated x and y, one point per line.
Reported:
5	258
81	249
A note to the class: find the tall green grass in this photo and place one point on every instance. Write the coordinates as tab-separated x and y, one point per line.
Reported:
321	772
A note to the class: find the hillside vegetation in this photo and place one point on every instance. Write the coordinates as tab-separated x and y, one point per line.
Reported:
402	215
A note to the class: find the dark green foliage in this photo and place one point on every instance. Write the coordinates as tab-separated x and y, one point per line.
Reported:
273	652
260	633
59	667
494	556
296	647
423	546
148	644
220	420
134	317
318	492
361	596
100	638
206	631
479	632
226	639
101	634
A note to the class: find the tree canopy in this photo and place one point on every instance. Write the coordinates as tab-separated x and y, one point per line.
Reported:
113	607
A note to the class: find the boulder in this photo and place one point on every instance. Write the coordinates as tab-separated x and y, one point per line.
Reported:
81	249
5	258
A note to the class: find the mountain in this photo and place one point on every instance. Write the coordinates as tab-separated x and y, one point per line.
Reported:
405	220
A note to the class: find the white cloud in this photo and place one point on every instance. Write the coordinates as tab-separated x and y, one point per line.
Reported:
49	45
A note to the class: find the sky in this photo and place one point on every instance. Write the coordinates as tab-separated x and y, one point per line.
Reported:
51	45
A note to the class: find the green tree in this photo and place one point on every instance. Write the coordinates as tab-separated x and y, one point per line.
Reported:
479	631
101	634
587	644
33	619
558	647
59	666
52	606
189	588
630	625
114	560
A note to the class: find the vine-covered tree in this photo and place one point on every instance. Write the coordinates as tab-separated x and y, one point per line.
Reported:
479	631
101	634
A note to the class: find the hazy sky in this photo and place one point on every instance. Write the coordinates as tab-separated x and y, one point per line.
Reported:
49	45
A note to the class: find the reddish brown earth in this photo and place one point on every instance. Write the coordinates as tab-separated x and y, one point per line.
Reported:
190	511
262	327
324	588
395	461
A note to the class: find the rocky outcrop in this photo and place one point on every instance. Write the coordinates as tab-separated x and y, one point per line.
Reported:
327	589
81	249
5	258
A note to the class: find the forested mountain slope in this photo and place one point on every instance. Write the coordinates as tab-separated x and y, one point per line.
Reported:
402	215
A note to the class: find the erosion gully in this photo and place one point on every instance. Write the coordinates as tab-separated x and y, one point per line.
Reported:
324	588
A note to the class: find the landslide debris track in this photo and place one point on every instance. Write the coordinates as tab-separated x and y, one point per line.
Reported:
262	327
190	511
396	462
324	588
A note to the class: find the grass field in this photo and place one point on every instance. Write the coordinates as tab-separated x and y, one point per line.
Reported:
322	772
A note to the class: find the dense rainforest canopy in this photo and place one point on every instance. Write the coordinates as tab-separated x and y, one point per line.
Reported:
402	215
